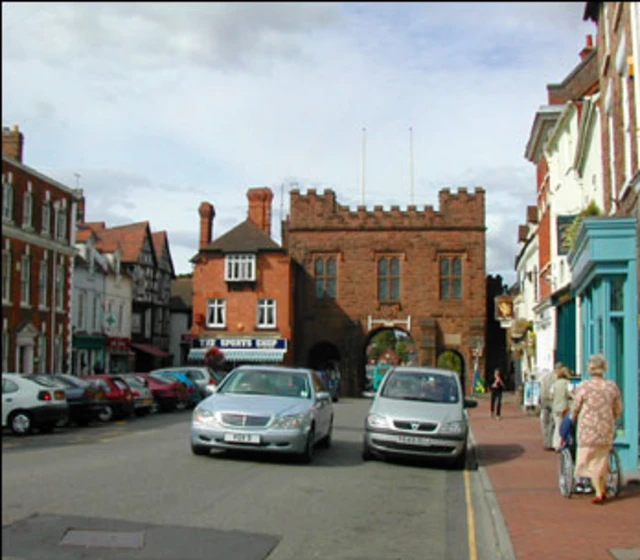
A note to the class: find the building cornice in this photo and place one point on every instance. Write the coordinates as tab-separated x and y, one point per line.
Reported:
75	193
37	240
546	117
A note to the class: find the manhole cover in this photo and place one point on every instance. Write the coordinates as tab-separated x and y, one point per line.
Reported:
104	539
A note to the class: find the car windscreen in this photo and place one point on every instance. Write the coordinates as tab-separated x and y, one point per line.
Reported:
133	381
72	381
162	379
272	383
426	387
44	380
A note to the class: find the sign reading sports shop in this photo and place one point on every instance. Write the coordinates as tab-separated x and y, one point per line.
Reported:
256	350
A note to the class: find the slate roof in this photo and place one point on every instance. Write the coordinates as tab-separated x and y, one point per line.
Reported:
246	237
181	294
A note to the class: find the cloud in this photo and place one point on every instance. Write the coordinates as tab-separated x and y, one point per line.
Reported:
160	106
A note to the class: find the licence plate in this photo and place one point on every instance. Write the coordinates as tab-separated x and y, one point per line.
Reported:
253	439
414	440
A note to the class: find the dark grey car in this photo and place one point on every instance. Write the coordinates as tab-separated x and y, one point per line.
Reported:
418	412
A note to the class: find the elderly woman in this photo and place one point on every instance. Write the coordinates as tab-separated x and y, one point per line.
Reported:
596	406
560	397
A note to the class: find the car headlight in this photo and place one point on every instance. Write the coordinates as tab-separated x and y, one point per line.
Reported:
377	421
204	416
290	422
452	428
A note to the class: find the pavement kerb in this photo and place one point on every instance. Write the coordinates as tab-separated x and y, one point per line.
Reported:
497	519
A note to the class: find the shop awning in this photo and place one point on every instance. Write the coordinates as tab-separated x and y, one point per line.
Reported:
150	349
236	355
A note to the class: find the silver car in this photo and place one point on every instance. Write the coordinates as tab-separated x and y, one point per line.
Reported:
418	412
273	409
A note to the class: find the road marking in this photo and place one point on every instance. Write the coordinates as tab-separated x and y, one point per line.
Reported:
471	521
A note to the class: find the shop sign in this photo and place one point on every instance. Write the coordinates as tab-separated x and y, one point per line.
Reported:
244	343
116	345
504	308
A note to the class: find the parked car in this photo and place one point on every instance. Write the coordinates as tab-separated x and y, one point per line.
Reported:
168	392
86	402
265	409
31	403
143	402
419	412
118	396
193	390
201	375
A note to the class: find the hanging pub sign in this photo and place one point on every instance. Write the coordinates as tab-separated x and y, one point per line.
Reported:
504	308
563	222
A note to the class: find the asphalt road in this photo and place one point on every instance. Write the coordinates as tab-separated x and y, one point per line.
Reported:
339	507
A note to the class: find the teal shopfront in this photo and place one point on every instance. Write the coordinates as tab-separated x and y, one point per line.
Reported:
604	281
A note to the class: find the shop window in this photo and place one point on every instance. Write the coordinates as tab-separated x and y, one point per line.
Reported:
616	302
450	278
216	313
325	277
266	313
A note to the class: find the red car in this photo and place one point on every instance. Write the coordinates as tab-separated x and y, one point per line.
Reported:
168	392
117	393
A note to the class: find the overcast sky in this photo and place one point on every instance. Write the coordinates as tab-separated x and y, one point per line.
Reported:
160	106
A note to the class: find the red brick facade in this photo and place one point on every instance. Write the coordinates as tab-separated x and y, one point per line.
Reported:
319	228
36	327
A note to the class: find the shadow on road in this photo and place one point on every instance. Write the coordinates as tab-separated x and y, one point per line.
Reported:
493	453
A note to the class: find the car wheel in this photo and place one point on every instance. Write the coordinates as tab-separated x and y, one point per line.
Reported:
307	455
106	415
20	423
200	450
326	440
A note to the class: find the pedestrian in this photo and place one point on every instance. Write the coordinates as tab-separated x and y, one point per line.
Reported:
596	406
497	387
560	401
546	402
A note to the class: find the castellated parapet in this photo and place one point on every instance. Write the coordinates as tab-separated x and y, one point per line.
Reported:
460	210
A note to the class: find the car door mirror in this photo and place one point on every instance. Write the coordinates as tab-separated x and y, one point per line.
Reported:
470	403
323	396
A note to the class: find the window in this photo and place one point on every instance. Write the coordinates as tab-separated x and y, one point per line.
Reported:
7	197
389	279
96	312
266	313
42	352
81	310
5	346
450	278
6	274
240	268
325	277
27	207
60	285
25	278
216	313
60	227
147	323
42	280
46	218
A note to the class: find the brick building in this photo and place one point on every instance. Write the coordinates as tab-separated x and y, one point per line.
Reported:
243	289
38	228
359	271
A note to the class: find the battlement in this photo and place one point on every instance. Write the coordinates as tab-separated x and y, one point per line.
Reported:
314	211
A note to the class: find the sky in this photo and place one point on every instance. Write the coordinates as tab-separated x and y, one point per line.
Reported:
153	108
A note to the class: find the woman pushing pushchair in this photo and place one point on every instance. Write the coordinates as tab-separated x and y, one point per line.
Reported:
596	406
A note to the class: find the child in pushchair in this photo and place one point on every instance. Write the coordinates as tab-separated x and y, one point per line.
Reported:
568	444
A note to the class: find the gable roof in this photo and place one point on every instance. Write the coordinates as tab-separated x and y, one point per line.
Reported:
160	244
246	237
129	237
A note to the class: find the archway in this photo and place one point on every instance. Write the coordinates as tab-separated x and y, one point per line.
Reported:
453	360
324	355
384	348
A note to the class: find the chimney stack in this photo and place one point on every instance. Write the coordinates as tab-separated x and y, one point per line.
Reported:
260	208
12	142
207	213
80	211
588	48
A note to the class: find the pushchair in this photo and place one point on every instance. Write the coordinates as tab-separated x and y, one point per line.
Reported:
567	482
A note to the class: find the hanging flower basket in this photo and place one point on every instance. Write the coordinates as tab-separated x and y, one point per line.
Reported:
213	357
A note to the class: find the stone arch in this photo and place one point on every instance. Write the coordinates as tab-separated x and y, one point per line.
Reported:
322	355
376	364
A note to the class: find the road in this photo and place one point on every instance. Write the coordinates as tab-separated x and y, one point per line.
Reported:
339	507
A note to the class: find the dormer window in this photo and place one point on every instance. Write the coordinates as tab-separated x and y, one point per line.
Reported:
240	268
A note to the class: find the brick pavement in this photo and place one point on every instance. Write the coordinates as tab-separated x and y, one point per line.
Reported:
541	523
